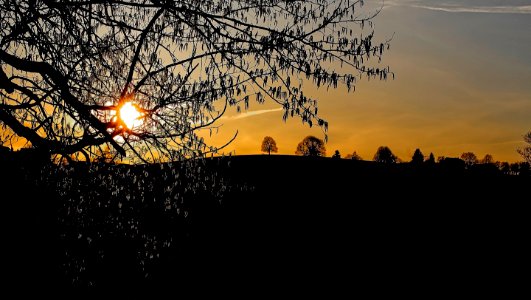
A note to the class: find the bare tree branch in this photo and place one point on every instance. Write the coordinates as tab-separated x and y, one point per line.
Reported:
67	68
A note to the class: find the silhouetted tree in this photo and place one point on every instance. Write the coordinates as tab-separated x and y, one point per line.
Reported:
269	145
354	156
431	159
488	159
336	155
311	146
418	157
525	151
384	155
469	158
67	68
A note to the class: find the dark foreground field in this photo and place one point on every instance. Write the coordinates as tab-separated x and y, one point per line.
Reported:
275	221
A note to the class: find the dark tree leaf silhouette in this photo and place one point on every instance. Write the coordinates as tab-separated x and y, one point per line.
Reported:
525	151
469	158
418	157
269	145
68	67
311	146
385	155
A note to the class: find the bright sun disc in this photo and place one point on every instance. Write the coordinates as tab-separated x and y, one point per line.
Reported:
130	115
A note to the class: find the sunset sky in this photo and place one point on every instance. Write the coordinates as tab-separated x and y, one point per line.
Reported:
463	83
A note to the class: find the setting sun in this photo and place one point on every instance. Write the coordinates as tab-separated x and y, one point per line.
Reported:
130	115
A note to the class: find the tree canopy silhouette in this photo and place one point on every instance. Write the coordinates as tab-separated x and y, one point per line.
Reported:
311	146
488	159
385	155
431	159
68	67
525	151
469	158
269	145
337	154
418	157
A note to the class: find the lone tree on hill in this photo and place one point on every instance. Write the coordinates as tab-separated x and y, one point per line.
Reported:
311	146
269	145
418	157
336	155
385	155
142	77
525	152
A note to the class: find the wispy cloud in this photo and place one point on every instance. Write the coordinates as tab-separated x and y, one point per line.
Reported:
251	114
462	8
480	9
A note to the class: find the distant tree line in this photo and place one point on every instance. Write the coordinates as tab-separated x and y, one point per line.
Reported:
313	146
